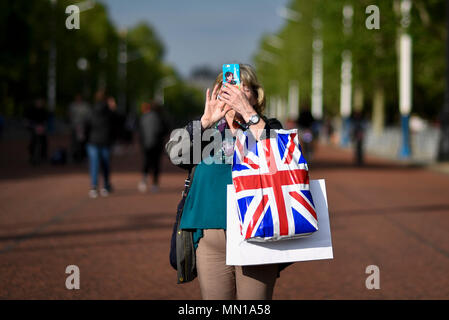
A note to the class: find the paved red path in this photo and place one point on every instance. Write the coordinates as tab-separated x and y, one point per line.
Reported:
395	217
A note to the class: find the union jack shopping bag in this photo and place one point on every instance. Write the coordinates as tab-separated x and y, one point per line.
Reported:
271	181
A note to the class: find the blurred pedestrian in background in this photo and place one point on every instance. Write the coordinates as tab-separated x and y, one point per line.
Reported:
358	135
329	129
291	123
2	124
36	120
78	113
152	129
307	132
100	133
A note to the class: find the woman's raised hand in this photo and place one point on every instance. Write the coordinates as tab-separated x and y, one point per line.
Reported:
238	101
214	109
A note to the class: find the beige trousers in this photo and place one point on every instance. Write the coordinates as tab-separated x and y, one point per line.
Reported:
219	281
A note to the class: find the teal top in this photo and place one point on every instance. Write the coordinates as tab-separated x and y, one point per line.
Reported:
205	206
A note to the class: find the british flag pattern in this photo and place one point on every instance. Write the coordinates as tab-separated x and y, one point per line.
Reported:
271	181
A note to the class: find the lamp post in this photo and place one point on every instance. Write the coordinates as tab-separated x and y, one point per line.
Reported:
82	65
281	113
293	100
346	79
317	72
122	71
405	78
292	112
51	75
443	147
102	55
271	110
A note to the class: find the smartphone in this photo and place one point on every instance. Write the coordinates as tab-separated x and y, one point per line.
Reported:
231	74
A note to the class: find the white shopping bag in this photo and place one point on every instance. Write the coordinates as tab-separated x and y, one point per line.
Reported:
315	247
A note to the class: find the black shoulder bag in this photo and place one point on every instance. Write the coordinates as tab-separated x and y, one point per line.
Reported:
182	250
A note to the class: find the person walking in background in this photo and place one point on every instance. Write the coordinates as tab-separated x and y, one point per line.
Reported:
100	133
308	132
36	121
329	130
152	129
358	135
78	113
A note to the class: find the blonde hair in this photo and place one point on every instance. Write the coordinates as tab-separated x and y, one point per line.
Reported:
248	78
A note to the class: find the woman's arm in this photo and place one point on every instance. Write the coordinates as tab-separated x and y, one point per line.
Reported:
185	147
180	145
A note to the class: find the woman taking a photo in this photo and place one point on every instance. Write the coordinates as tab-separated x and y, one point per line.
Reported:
228	107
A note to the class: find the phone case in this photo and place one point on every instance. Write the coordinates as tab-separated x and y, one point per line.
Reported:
231	74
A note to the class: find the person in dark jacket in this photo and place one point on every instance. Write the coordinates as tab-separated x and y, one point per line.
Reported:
308	132
358	135
100	133
78	111
36	122
152	129
227	109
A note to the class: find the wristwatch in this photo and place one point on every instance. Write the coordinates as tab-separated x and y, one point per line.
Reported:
253	120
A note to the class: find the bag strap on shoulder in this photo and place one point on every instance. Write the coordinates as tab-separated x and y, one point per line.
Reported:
188	182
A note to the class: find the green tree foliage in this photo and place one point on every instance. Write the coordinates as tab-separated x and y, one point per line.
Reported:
184	102
144	69
23	26
27	29
87	58
374	53
428	30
